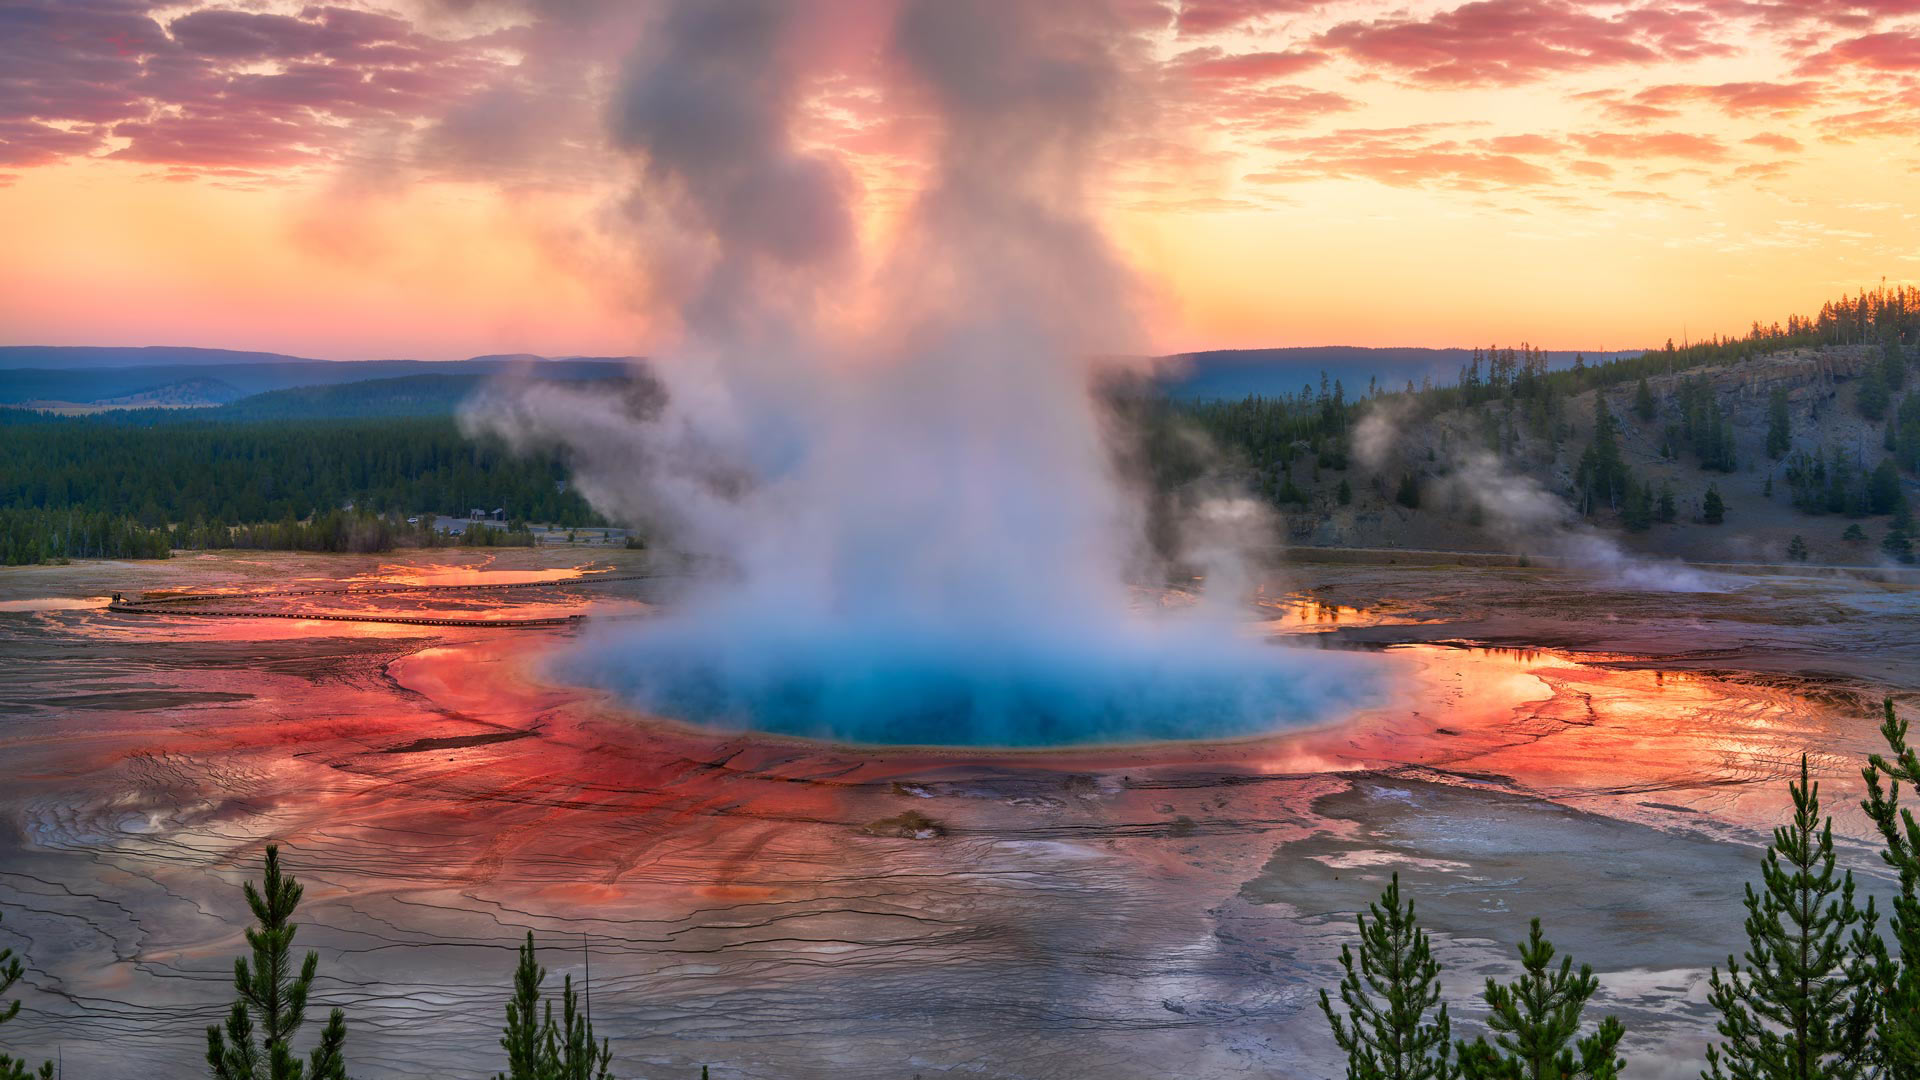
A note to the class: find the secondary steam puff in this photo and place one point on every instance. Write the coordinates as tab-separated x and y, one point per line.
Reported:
922	529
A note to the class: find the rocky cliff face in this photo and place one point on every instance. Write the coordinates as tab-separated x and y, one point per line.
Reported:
1812	378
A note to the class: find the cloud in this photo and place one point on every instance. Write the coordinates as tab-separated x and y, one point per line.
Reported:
1197	17
1893	50
1796	14
1633	145
1737	98
1785	144
1513	42
1762	170
1408	157
1214	64
218	87
24	143
1525	144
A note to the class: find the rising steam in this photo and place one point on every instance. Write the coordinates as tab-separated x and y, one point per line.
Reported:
922	531
1525	516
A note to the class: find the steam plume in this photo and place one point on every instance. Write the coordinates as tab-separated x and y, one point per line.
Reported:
925	535
1526	516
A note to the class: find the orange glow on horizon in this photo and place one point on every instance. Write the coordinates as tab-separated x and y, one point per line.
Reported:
1345	174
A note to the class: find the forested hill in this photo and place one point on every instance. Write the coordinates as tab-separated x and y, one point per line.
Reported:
247	472
1232	374
1794	441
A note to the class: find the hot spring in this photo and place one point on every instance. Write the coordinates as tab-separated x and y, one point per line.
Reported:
904	448
937	686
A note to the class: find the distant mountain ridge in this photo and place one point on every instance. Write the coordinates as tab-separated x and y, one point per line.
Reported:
185	394
70	357
117	356
99	385
90	378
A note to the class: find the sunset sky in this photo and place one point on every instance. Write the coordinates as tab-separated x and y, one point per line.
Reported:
436	179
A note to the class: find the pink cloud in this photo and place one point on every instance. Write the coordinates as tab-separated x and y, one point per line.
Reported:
24	143
1737	98
1791	14
1614	144
1213	16
1213	64
1407	157
1511	42
1525	144
189	92
1894	50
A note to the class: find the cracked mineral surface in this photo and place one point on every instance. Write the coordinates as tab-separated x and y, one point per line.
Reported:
773	907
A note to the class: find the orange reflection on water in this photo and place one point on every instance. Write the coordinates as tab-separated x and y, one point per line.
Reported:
445	574
1302	612
1578	727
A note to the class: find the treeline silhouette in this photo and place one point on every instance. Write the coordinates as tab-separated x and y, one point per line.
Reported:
42	536
209	481
37	536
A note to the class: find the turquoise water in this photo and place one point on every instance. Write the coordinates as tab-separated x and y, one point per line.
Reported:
920	687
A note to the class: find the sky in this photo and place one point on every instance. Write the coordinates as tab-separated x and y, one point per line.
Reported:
442	178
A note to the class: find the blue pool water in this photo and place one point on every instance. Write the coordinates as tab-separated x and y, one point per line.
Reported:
921	687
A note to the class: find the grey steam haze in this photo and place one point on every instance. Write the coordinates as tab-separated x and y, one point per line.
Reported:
923	531
1527	517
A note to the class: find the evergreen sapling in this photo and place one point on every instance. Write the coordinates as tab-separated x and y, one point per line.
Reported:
1535	1021
1386	1032
1801	1007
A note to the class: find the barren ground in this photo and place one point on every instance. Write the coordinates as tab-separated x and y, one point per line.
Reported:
1604	759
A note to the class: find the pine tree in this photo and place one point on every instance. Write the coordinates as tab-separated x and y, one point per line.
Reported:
1636	511
1713	509
1602	473
1898	543
522	1038
1535	1022
1802	1007
13	1068
1872	397
570	1049
1797	549
1409	493
1386	1033
1883	489
1643	400
1896	975
538	1047
1664	510
280	1002
1779	435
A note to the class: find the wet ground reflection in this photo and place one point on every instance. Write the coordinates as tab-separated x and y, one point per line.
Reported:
1114	911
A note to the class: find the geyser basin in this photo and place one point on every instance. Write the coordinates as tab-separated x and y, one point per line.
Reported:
921	686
